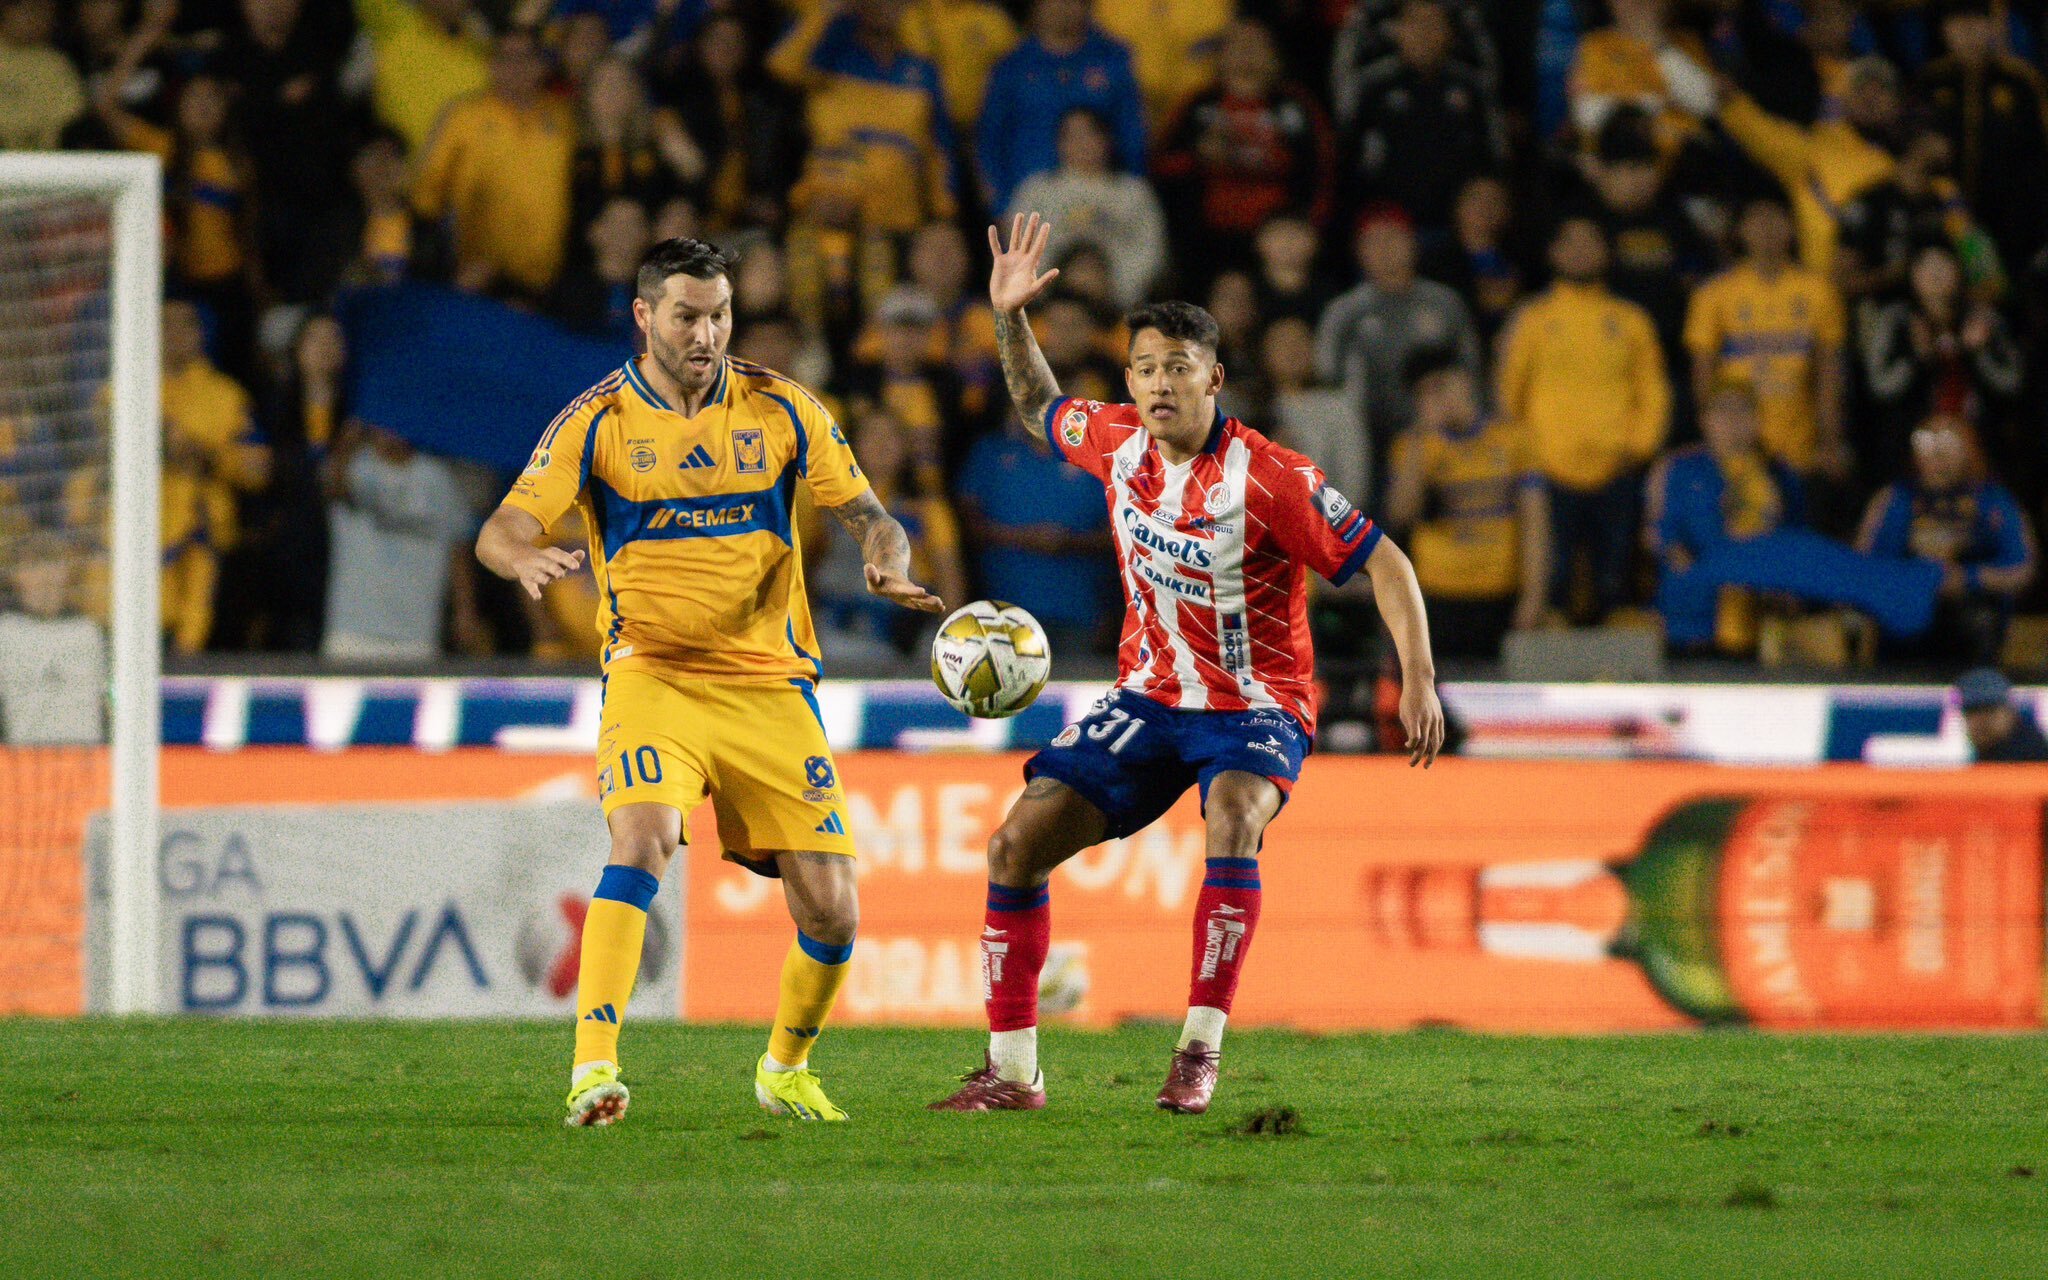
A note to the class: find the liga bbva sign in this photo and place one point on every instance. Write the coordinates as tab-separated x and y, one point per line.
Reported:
444	910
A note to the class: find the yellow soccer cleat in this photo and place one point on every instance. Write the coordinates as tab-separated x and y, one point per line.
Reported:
796	1093
596	1096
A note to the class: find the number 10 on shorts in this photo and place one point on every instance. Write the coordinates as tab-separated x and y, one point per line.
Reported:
645	762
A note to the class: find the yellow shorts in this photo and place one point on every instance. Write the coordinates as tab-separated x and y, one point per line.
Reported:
758	750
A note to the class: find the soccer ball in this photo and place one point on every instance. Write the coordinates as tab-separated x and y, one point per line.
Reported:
990	659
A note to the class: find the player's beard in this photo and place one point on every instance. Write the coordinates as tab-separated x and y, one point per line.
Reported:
676	365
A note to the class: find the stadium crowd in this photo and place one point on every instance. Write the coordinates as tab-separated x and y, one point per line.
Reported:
1729	316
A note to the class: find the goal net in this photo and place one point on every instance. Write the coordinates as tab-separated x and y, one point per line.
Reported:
80	291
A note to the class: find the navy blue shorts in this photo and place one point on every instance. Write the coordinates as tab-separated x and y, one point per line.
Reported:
1132	757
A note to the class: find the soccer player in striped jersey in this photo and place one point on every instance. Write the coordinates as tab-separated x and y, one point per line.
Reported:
1216	531
684	464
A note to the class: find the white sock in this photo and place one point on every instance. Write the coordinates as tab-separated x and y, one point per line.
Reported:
1204	1023
768	1063
583	1069
1014	1054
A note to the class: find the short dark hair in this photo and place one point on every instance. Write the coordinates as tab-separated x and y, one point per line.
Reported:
1180	321
682	256
1426	362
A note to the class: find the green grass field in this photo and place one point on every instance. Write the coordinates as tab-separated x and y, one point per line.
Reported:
245	1148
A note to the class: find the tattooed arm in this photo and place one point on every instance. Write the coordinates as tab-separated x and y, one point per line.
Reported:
886	549
1012	285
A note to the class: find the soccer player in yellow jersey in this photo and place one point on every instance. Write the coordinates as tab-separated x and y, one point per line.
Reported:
684	464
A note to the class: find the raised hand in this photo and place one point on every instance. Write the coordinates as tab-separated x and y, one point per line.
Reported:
1015	282
536	567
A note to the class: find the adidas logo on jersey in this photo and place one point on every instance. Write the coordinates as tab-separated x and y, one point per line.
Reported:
831	826
697	458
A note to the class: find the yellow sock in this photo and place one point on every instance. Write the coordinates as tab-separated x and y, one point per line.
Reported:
812	973
612	932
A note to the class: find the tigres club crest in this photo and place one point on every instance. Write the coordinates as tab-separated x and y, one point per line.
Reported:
750	454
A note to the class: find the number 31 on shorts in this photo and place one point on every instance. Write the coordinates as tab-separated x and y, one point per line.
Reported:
641	764
1119	722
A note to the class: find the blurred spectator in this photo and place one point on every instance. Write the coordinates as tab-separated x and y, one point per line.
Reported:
284	59
777	341
1636	62
1288	282
919	395
1423	123
1366	335
1994	111
40	91
1951	511
1582	374
1087	201
212	453
626	147
1173	45
498	170
399	522
1041	538
627	22
97	37
207	180
1367	36
596	296
1999	731
1780	328
1919	204
1243	151
677	218
1072	334
963	337
751	128
428	54
580	42
852	622
1480	258
274	586
388	242
1795	60
1234	302
53	658
1466	493
1824	167
965	39
1065	62
1303	414
881	140
1659	256
1935	352
1726	489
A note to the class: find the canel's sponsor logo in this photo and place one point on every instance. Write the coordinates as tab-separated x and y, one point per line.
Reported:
1188	551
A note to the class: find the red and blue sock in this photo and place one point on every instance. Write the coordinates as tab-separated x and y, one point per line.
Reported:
1015	936
1226	916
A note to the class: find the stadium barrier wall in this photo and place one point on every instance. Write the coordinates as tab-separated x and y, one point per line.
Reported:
1723	723
1475	894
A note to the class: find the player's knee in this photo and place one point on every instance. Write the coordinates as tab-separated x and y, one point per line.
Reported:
1010	857
833	919
646	850
1234	827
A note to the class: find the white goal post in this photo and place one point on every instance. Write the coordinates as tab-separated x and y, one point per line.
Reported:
132	186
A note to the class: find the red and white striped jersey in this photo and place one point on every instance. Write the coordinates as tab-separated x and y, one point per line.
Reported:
1215	555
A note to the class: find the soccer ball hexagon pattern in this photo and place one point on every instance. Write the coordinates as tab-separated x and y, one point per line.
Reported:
990	659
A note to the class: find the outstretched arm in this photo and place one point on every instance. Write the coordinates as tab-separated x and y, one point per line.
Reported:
886	549
1012	285
1399	598
507	547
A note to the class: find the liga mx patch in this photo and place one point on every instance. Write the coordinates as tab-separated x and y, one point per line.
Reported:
749	451
1074	427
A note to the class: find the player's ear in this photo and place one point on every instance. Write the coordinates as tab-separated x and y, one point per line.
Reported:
1215	375
1130	380
643	315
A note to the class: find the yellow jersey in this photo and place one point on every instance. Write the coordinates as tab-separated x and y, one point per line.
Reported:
698	563
1822	170
1582	371
502	173
212	452
1468	544
1771	334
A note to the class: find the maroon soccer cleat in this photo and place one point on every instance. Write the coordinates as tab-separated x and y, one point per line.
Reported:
1190	1080
983	1090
